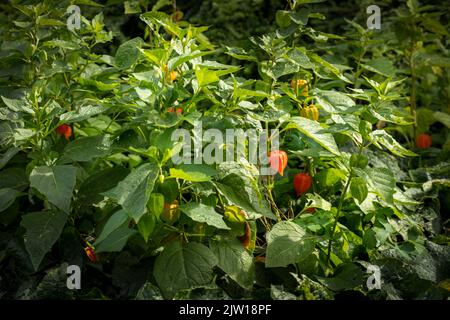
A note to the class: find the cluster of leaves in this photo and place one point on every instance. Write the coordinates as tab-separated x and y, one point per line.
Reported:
87	158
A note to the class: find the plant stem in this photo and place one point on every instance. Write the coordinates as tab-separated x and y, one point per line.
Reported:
333	230
273	203
358	67
413	92
341	202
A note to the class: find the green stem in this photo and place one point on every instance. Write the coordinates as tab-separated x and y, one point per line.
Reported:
358	67
341	202
274	205
336	218
413	92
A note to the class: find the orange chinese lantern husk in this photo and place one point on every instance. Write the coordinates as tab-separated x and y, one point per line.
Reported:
423	141
245	239
90	254
64	130
302	183
278	160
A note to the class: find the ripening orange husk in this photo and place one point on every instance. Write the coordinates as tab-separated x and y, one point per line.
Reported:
302	183
90	253
310	112
423	141
64	130
278	160
245	239
175	110
300	84
171	212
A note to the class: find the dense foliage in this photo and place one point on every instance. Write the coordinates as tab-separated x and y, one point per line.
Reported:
87	175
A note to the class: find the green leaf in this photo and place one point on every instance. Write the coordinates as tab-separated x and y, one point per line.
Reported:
7	197
149	292
15	178
8	155
283	18
370	239
193	172
157	56
118	219
433	25
300	57
132	7
206	76
357	26
42	231
56	183
287	243
161	3
247	197
383	183
128	53
388	112
333	101
312	130
99	85
381	66
179	60
282	67
134	191
313	153
81	114
6	133
88	148
308	1
153	18
443	118
90	191
179	267
23	134
358	188
382	138
202	213
53	284
234	260
240	54
58	43
49	22
427	186
243	93
18	105
347	276
329	177
425	59
325	64
87	3
116	240
169	153
278	292
163	141
316	201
